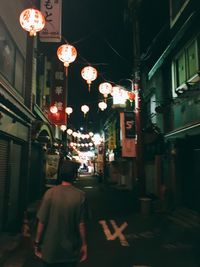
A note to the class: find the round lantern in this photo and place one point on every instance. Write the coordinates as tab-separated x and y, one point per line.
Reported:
69	131
68	110
32	21
131	96
89	74
53	109
102	105
63	128
105	89
67	54
91	134
75	134
84	109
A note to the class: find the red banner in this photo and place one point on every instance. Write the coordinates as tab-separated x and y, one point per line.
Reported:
58	93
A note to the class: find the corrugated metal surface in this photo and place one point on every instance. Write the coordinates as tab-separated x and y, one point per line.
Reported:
3	175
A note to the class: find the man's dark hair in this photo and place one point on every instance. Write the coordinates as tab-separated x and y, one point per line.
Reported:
67	171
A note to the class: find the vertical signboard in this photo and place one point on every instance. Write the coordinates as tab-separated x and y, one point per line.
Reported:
127	125
112	136
58	93
52	11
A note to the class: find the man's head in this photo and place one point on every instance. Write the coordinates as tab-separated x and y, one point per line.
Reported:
67	171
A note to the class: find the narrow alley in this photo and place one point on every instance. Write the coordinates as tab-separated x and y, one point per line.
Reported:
118	235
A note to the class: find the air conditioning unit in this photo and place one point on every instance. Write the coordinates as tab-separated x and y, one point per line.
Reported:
182	89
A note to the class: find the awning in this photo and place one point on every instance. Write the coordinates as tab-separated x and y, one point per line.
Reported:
182	132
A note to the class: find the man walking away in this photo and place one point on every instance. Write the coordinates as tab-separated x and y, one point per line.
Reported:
60	236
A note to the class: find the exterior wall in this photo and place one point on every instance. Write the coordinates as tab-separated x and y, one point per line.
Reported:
179	114
15	121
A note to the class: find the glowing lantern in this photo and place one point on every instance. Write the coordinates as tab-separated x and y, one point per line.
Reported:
67	54
105	89
63	128
102	105
84	109
32	21
68	110
131	96
53	109
89	74
69	131
75	134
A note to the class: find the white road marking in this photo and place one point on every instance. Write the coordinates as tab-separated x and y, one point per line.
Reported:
106	229
117	233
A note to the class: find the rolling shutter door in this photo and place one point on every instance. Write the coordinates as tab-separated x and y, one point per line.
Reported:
3	175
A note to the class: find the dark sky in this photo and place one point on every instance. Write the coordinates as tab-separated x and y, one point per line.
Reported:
101	31
103	39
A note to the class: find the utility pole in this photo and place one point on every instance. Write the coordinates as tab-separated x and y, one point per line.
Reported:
140	173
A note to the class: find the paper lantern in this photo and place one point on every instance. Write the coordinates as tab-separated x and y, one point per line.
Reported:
102	105
67	54
32	21
68	110
105	89
53	109
89	74
84	109
63	128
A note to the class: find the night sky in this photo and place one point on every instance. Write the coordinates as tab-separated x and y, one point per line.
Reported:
102	36
101	31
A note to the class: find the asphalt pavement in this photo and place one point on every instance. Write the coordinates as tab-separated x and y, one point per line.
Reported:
120	235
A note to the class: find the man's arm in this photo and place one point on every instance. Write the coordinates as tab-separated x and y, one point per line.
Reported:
84	242
39	232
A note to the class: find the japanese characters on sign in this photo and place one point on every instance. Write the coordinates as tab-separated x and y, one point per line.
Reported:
58	93
112	136
52	11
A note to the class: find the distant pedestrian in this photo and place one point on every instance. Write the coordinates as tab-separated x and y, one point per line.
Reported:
60	236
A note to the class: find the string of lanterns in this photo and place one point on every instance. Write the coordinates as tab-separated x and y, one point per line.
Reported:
33	21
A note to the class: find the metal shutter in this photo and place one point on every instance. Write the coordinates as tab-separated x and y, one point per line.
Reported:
3	175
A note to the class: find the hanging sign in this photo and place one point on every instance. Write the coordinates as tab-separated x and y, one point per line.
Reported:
129	123
58	94
127	143
52	11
